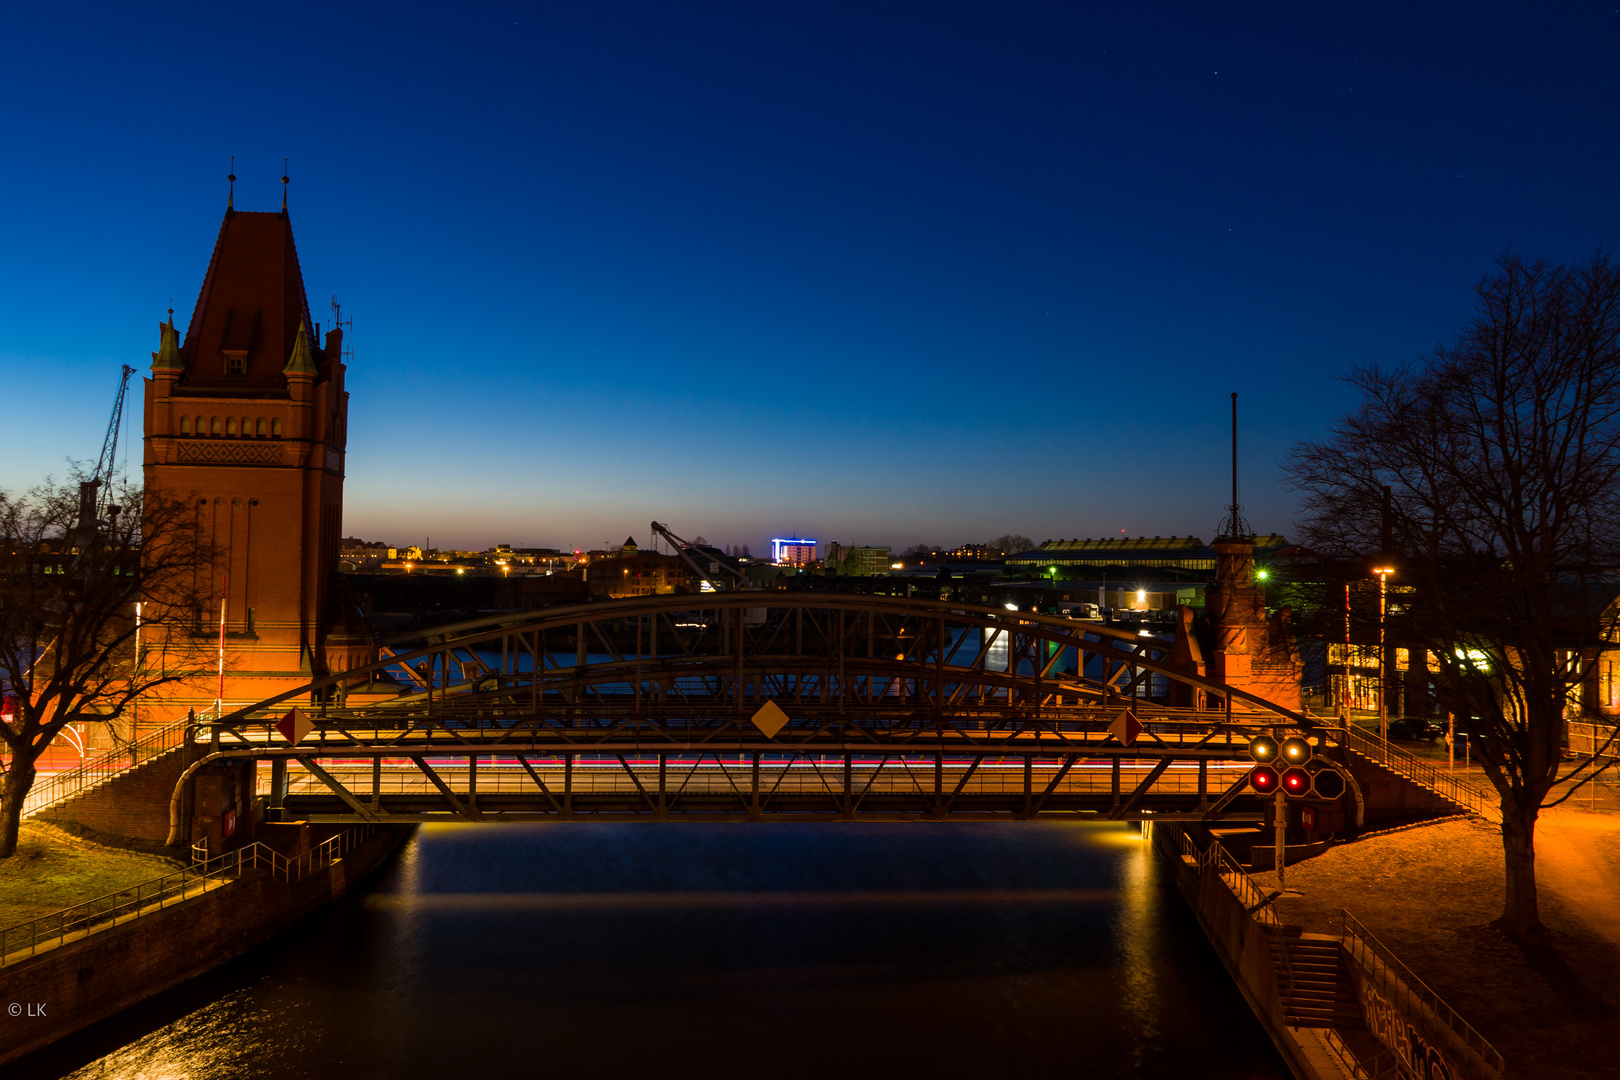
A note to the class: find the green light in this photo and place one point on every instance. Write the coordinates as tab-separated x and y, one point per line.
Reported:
1262	574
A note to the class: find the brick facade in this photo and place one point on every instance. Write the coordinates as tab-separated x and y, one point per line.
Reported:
247	419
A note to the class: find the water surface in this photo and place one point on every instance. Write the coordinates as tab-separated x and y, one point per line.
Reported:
774	950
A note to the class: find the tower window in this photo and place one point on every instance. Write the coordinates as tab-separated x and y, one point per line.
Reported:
185	425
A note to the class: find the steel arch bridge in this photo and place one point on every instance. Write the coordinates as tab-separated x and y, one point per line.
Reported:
659	707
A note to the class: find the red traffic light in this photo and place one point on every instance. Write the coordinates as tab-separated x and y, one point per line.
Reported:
1264	779
1296	782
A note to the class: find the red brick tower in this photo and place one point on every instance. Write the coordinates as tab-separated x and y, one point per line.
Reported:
247	420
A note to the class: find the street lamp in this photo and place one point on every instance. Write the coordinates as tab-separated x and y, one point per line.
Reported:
1383	573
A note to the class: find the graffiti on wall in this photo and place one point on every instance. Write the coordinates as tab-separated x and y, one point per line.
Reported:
1418	1057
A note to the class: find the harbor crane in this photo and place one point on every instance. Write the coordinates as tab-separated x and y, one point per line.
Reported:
696	557
95	494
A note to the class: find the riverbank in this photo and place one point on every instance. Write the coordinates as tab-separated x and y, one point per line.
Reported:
74	972
1430	892
54	869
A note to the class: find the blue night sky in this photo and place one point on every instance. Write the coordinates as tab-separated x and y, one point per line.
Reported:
878	273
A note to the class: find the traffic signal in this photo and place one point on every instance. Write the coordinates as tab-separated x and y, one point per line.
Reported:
1263	748
1264	779
1295	750
1327	784
1296	783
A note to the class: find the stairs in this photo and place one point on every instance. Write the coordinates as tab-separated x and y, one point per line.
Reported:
1312	979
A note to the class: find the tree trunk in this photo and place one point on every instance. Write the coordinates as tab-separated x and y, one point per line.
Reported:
19	778
1521	915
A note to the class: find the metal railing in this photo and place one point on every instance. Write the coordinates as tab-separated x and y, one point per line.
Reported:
1593	740
1215	859
53	789
23	940
1422	772
1397	985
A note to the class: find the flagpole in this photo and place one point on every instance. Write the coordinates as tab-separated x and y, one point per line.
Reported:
219	697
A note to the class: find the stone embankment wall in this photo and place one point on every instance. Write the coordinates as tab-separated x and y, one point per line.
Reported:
1242	946
87	980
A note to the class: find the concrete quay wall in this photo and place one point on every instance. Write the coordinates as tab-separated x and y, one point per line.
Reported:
83	981
1243	947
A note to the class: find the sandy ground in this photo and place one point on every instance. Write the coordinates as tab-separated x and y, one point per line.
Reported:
1430	892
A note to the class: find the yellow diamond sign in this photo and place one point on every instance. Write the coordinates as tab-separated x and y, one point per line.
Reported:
769	719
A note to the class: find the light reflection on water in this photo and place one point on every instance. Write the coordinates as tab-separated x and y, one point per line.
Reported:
721	949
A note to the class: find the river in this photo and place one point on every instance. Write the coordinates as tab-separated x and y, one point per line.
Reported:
723	950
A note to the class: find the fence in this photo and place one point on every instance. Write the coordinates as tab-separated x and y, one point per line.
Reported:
48	791
1593	740
1396	984
25	939
1423	772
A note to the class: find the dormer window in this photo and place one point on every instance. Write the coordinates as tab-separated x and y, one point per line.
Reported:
235	363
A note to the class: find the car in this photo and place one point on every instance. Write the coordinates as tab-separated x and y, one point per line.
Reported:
1415	729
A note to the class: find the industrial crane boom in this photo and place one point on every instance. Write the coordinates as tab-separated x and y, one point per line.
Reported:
686	549
109	446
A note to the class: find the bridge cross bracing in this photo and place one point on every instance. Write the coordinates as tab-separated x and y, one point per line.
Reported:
897	709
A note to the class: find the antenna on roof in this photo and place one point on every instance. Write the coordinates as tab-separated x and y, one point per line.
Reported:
230	199
1234	525
284	182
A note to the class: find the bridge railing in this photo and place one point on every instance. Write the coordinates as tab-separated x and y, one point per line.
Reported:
807	774
1161	728
1424	772
56	788
23	940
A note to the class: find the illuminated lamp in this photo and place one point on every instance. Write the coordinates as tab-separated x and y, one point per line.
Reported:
1295	750
1263	748
1296	783
1328	784
1264	779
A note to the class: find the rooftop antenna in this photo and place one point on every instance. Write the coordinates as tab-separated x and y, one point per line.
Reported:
284	183
230	199
1234	525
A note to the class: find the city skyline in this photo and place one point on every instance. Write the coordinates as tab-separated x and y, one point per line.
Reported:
876	278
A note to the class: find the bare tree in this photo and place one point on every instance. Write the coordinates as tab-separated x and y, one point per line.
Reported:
1500	455
69	585
1011	544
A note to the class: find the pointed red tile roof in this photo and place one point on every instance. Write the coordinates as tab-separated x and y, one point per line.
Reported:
251	302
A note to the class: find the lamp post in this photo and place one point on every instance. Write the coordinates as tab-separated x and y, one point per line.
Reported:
1383	573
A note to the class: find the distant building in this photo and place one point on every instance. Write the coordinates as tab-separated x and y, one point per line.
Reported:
857	561
1159	552
793	551
641	574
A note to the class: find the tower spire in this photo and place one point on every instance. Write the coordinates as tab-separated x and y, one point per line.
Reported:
1234	525
230	199
283	185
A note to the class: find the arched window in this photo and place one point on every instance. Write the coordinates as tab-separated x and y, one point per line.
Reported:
247	427
213	425
230	425
261	430
185	425
275	428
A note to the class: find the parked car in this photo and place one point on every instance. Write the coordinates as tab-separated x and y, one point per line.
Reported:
1415	729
